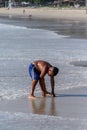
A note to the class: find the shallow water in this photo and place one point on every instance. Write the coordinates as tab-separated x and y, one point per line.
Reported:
73	29
18	47
28	121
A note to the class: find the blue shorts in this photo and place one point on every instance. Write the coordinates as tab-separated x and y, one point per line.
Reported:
34	74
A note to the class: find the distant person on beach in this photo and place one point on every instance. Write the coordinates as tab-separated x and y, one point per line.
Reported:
37	70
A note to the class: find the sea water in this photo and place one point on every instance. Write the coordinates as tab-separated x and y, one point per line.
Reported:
19	46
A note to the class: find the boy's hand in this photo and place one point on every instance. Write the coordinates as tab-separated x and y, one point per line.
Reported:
53	95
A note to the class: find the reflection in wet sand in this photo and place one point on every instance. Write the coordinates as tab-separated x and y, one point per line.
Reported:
43	106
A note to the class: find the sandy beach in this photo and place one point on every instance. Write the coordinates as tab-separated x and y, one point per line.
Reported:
67	103
46	13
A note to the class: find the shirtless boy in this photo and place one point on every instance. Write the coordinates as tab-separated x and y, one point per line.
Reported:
37	70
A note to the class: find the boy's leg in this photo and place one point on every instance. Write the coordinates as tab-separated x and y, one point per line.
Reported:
33	84
43	87
34	76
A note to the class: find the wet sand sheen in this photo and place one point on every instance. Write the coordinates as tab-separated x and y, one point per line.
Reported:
67	103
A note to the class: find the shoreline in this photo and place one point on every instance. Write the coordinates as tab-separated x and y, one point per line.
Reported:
63	95
68	110
69	103
71	23
78	15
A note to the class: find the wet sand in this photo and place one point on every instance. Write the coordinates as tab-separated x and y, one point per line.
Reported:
67	103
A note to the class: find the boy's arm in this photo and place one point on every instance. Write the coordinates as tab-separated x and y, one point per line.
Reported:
43	72
52	85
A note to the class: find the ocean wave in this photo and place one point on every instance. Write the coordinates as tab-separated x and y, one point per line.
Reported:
47	34
22	115
7	26
25	121
12	94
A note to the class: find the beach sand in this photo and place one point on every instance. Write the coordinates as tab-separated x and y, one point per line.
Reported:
67	103
46	13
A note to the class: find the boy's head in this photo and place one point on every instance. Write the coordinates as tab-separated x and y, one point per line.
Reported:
53	71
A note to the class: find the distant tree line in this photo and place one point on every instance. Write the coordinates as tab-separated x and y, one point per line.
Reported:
49	2
42	2
35	1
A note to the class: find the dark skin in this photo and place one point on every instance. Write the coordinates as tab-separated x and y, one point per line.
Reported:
44	68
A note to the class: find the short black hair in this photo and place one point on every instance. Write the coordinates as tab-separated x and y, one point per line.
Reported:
55	71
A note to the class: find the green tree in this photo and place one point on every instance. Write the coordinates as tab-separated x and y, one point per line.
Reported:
82	2
38	1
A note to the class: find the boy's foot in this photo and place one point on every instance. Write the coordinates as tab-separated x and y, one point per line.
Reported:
31	97
46	94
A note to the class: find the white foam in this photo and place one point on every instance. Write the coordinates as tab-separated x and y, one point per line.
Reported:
6	26
47	34
12	94
21	115
25	121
